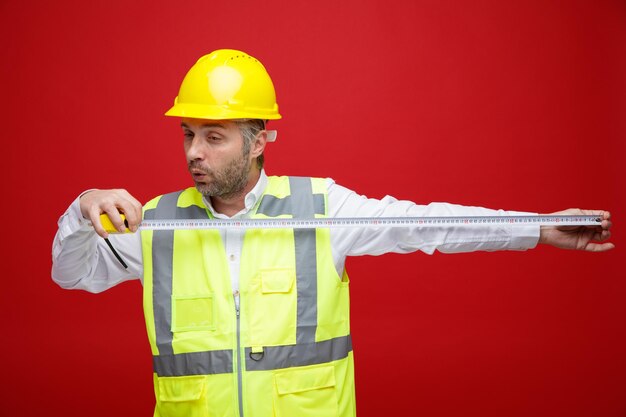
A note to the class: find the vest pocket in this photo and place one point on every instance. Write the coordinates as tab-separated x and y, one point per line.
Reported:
193	313
181	396
277	281
306	392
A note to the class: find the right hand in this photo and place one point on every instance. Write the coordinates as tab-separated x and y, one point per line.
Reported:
111	202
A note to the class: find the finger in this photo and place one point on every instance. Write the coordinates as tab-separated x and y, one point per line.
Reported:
136	206
132	208
603	215
113	213
605	235
601	236
94	216
599	247
130	211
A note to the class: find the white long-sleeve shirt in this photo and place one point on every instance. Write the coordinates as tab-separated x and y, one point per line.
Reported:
82	260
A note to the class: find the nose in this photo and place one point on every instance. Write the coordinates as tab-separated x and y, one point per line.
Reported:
193	149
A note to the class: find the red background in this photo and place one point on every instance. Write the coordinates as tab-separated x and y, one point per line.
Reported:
514	105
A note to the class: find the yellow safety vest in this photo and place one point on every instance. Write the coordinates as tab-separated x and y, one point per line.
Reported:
287	351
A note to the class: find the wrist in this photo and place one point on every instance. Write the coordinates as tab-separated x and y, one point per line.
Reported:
543	234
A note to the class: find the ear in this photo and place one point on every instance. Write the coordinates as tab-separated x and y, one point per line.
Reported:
258	146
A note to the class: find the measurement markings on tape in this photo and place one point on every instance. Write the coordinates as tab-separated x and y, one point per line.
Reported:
363	222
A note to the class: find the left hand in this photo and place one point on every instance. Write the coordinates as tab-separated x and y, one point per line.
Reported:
587	238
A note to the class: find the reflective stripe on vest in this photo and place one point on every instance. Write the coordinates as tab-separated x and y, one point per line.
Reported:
194	363
301	204
162	259
301	354
274	357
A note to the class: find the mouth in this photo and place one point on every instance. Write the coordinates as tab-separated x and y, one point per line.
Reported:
198	175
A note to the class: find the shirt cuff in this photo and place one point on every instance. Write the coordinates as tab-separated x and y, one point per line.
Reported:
524	237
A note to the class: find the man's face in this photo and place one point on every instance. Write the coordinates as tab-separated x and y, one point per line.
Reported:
215	156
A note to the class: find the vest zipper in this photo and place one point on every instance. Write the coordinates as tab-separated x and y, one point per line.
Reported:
239	361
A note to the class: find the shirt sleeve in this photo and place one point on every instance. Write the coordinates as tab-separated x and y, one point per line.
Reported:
343	202
82	260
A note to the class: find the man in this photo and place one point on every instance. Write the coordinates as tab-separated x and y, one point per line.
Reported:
255	323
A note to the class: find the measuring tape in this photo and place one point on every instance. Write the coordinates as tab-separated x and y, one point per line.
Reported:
360	222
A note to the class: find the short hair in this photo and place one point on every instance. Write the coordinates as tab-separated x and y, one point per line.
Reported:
249	128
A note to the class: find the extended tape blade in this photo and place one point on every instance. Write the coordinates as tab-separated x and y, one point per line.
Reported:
361	222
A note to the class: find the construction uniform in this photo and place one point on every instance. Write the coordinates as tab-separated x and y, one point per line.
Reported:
256	323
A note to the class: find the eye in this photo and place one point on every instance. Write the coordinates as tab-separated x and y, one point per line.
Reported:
187	134
213	138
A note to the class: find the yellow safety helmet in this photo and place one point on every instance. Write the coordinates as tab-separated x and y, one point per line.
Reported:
226	84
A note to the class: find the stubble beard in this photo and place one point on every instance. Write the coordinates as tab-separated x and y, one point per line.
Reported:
226	183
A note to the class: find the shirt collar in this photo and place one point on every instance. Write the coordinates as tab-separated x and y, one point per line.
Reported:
250	201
